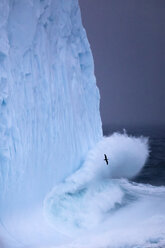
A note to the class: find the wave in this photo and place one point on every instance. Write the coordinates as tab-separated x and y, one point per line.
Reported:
132	218
98	206
85	199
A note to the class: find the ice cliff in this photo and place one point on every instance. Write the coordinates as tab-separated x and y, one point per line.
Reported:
49	102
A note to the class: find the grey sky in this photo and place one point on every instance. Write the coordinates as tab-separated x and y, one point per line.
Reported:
127	38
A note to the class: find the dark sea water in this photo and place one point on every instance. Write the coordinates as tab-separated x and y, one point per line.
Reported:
154	170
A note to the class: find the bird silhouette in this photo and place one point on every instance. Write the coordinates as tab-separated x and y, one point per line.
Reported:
106	159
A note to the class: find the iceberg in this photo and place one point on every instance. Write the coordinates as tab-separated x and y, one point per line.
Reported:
54	184
49	101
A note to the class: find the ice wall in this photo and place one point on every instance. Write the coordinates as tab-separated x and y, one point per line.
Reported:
49	102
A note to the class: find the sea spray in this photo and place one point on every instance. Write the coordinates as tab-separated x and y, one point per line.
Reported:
83	200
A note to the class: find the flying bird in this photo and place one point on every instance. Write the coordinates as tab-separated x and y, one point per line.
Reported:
106	159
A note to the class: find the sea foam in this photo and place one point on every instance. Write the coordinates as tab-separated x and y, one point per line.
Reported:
83	200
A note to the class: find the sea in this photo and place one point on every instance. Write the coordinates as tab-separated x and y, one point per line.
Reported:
154	170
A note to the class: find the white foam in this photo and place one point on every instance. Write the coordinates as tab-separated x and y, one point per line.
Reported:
83	201
140	223
127	155
98	208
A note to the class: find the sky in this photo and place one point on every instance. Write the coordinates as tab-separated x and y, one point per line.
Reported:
127	38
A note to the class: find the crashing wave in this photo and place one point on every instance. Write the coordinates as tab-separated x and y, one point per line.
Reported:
84	199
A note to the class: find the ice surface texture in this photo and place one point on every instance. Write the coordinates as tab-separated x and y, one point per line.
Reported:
49	102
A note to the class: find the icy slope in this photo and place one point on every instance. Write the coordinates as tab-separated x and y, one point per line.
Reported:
49	102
